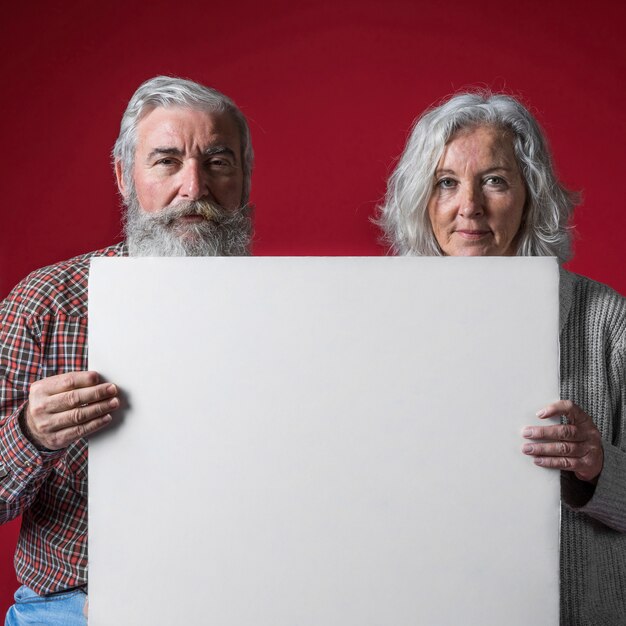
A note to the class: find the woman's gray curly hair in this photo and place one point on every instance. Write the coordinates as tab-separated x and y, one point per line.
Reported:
166	91
403	216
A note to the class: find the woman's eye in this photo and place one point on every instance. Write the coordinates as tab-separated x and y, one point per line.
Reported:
496	181
446	183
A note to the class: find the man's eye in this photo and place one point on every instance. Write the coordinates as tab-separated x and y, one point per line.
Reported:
219	163
165	161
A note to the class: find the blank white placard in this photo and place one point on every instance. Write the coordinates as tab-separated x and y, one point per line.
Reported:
323	441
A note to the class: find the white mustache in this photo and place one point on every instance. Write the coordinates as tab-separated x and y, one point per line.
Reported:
208	210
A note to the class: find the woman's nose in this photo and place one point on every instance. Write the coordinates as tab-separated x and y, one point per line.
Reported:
471	201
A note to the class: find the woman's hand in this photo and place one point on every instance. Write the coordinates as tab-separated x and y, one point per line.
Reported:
573	447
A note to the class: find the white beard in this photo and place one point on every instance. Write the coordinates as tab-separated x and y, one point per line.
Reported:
220	233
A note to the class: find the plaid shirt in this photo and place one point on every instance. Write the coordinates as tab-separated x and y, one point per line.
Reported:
43	332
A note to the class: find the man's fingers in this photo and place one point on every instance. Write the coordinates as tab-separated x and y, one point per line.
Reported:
80	416
60	383
80	397
59	430
63	438
66	407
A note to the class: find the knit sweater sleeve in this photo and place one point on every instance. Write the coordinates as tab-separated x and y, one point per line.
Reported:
607	501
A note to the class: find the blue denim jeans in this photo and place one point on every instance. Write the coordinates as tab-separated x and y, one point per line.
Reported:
60	609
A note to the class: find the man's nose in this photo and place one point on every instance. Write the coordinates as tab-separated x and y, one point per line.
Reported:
471	201
194	183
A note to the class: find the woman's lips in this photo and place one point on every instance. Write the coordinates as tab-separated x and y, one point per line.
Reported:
472	234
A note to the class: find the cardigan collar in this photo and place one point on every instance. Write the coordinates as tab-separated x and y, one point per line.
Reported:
567	282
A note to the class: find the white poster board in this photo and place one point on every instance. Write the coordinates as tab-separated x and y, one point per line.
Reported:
323	442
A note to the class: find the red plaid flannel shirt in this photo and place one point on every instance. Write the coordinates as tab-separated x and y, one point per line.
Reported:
43	332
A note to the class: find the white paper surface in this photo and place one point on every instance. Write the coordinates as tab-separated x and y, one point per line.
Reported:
323	441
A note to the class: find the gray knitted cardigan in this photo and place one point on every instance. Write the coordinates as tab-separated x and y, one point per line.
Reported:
593	522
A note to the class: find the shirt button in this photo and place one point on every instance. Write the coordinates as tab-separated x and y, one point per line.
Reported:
3	471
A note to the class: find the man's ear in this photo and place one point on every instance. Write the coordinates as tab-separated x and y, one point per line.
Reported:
119	176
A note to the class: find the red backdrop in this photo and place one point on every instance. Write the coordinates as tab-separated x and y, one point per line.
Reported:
330	89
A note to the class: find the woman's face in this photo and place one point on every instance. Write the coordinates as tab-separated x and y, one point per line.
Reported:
478	198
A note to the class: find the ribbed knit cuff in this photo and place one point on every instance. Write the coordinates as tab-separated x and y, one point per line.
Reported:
606	501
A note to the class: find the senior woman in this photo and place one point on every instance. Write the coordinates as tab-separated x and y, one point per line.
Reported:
476	179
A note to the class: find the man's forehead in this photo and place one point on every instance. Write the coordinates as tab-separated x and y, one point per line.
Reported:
182	125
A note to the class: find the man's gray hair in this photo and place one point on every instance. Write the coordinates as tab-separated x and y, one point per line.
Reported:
403	216
166	91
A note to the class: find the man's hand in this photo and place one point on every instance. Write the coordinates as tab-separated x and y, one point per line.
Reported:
62	409
574	447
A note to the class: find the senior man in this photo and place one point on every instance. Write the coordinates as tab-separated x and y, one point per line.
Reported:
183	161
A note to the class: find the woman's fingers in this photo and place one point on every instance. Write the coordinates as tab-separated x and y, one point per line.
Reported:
575	446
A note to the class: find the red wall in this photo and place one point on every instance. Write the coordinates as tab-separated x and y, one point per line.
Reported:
330	89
